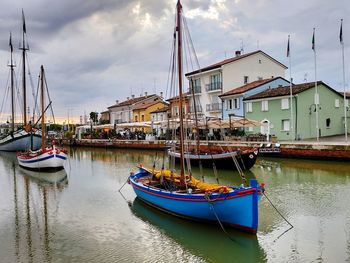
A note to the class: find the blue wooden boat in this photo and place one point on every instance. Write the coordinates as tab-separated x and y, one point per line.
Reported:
184	196
237	207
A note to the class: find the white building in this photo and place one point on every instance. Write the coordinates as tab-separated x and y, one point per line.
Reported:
211	81
121	112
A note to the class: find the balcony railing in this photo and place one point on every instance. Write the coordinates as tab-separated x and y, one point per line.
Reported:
213	86
197	89
198	109
214	106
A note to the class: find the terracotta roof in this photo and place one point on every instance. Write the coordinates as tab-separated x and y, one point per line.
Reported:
283	91
131	101
106	111
146	105
229	60
248	86
165	109
347	94
186	94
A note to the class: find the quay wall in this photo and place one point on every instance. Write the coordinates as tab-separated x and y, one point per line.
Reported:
307	150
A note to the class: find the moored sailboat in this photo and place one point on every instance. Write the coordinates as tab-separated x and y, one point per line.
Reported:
46	158
183	195
24	138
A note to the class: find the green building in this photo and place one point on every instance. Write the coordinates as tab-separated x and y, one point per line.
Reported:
273	108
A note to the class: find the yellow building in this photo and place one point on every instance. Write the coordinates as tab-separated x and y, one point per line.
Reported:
142	112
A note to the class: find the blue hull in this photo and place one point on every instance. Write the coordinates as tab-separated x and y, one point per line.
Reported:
238	208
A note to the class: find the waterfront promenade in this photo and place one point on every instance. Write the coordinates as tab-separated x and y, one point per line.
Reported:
330	148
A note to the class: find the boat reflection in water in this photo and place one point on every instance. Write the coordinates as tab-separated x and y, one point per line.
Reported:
206	241
32	234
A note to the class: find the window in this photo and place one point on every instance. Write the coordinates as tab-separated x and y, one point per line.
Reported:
136	118
229	104
264	105
142	117
236	103
245	79
196	85
284	104
328	122
250	129
285	125
336	103
176	110
249	107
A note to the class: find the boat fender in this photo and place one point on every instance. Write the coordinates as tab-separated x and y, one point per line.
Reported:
189	190
256	152
262	187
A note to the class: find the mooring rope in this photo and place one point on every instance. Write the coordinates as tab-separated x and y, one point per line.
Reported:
207	197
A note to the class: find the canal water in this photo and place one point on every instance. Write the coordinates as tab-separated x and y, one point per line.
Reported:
78	215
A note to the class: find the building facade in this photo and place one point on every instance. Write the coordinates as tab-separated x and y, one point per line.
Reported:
273	108
232	101
211	81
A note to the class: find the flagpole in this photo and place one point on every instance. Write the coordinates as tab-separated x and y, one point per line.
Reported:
291	90
316	90
342	45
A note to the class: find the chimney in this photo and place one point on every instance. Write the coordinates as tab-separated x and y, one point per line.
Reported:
127	98
238	53
117	101
132	96
161	94
146	94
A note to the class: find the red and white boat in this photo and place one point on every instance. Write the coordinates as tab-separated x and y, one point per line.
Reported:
48	157
43	159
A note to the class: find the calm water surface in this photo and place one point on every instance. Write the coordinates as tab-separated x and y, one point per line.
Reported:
78	215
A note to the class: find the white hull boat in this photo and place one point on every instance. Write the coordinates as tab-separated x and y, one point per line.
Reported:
49	158
21	141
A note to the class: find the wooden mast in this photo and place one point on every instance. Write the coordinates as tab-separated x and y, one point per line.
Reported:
12	88
24	85
42	108
179	57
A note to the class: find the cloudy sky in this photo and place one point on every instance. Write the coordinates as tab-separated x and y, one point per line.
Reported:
98	51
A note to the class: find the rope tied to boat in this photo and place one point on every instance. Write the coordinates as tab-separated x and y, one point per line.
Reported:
210	202
268	199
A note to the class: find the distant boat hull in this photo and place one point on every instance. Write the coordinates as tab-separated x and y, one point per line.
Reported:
246	159
20	141
238	208
49	159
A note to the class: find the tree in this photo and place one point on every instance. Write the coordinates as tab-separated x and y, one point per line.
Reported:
93	117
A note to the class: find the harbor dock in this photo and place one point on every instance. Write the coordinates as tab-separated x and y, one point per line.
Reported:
327	150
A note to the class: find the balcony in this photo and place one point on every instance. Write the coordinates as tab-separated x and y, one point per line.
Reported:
214	86
214	106
198	109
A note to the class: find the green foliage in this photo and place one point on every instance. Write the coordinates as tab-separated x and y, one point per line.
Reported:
94	116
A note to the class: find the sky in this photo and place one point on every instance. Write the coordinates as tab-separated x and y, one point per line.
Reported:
97	52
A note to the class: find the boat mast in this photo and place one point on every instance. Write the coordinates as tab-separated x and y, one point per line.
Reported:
42	108
179	58
24	49
12	88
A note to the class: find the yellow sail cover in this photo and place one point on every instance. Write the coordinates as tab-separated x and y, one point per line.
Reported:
191	182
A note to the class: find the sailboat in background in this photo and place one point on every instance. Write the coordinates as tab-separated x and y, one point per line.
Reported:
47	158
183	195
27	137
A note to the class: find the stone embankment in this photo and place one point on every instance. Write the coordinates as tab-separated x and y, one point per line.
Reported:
309	150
